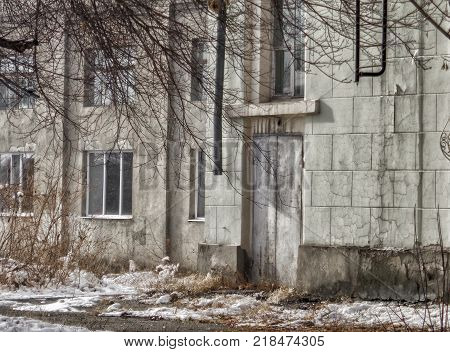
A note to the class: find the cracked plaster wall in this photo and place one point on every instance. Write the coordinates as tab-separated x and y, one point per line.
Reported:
374	171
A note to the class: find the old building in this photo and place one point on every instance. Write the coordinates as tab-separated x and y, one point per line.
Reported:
352	173
327	184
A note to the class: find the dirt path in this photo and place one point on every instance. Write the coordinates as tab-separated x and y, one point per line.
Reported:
93	322
91	319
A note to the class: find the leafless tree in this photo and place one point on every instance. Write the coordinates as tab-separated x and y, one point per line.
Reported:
154	39
146	68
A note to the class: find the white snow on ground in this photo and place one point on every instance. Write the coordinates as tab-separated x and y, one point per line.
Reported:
245	310
238	309
83	284
373	313
62	305
83	290
12	324
202	309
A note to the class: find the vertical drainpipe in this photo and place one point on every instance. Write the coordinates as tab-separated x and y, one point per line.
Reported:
358	72
357	38
218	95
67	147
172	128
420	137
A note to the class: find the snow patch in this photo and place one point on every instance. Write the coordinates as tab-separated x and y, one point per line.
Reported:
165	299
62	305
13	324
113	307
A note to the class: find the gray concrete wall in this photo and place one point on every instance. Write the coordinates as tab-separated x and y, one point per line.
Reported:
142	237
227	260
374	171
27	130
159	224
184	232
374	175
368	273
58	150
224	192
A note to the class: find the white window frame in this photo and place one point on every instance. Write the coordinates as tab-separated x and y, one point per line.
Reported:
290	51
102	95
195	177
19	210
17	69
103	215
199	64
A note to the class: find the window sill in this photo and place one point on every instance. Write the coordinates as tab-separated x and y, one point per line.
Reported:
17	215
285	98
201	220
110	105
276	108
108	217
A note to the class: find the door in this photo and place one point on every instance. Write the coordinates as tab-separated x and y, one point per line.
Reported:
277	210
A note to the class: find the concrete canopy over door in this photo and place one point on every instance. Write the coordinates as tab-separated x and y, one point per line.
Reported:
277	208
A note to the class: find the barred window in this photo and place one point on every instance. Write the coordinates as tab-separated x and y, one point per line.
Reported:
17	83
16	183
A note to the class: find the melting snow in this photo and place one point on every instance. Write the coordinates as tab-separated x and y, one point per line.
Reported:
12	324
83	290
62	305
246	310
373	313
164	299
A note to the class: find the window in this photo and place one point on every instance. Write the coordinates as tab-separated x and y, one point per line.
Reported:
198	67
16	82
197	185
108	78
16	183
289	50
109	184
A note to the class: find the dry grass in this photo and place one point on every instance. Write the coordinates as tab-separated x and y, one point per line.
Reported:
43	247
44	263
330	328
35	252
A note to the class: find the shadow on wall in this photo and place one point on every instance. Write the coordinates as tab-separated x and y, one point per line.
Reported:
408	274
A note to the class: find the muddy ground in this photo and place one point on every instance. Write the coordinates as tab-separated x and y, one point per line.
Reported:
94	322
97	323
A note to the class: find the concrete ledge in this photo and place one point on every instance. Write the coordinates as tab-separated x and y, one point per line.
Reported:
227	260
369	273
291	108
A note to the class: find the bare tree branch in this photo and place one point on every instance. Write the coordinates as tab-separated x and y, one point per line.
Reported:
19	46
431	20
